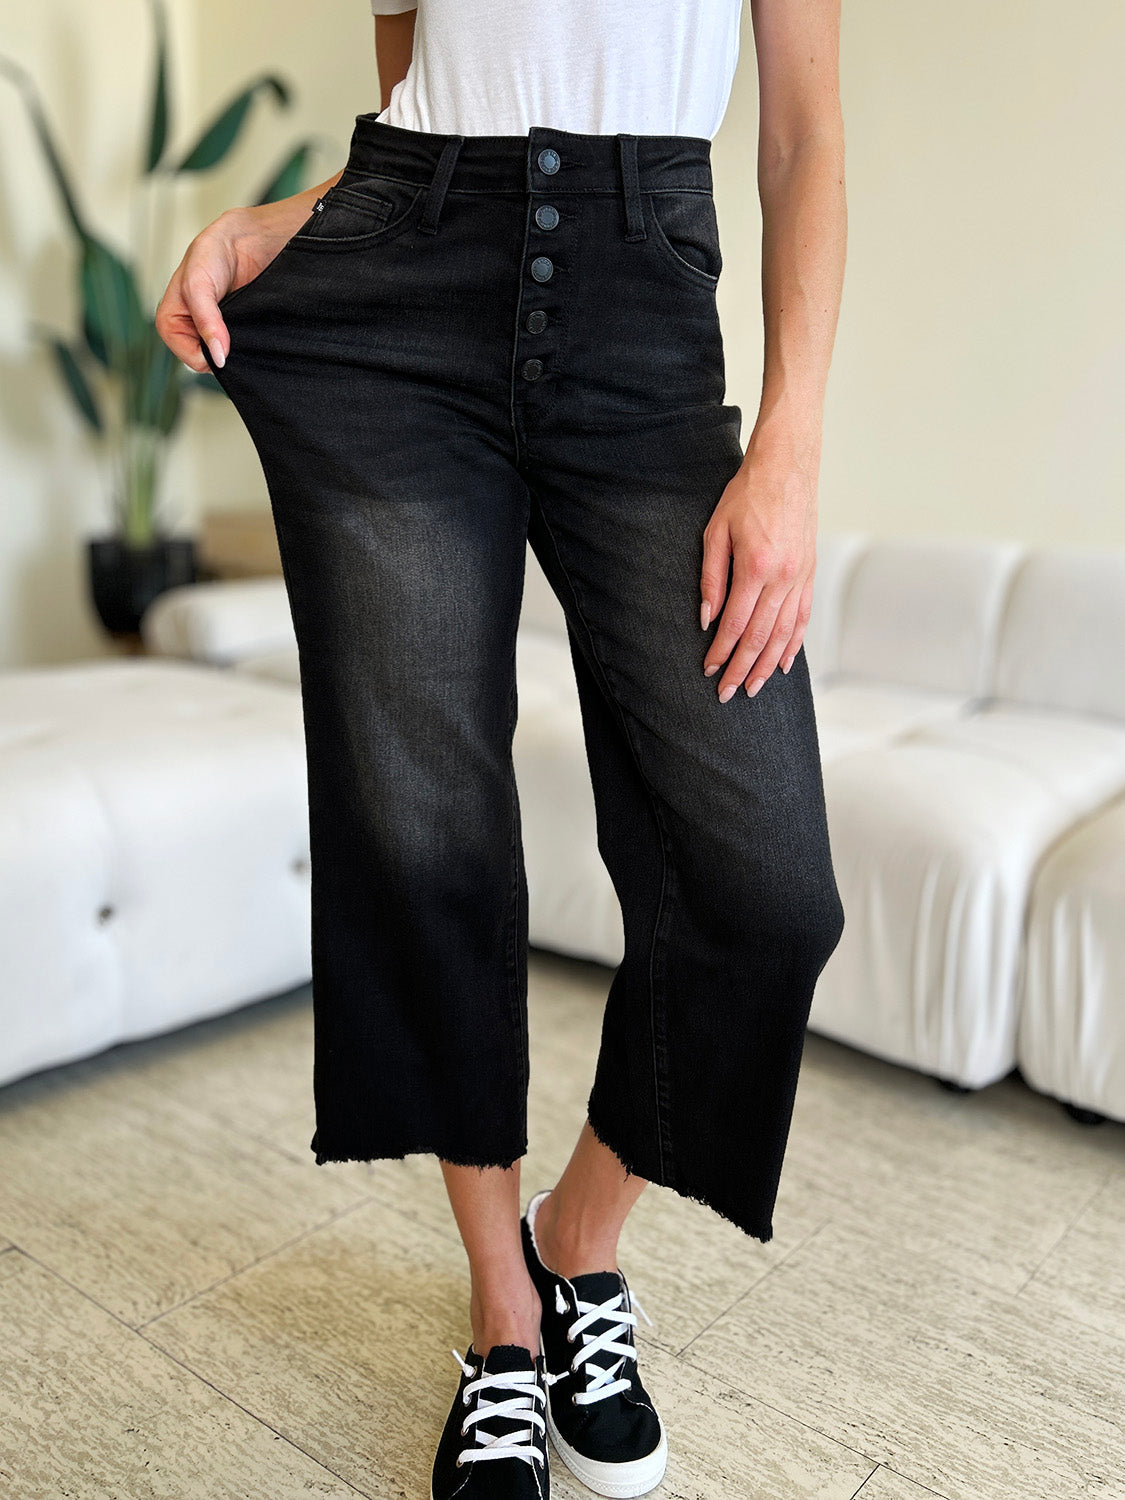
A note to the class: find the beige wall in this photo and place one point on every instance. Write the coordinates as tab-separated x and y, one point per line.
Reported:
979	370
979	374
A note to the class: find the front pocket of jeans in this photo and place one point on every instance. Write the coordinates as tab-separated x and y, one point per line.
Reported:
685	230
255	281
267	271
356	212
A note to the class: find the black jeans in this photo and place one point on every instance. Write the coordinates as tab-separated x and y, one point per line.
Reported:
472	344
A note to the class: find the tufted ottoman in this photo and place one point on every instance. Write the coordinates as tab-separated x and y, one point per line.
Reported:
153	852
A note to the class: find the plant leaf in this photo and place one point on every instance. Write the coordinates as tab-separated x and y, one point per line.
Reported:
23	81
76	382
153	392
158	123
289	178
222	133
113	323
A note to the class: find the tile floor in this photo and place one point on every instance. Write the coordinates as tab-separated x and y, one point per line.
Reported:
189	1307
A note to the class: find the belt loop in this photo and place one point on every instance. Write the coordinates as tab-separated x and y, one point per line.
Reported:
435	195
630	182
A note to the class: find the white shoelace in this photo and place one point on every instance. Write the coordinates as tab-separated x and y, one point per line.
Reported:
602	1381
519	1443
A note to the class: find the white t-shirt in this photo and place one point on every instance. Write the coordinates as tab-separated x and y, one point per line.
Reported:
498	67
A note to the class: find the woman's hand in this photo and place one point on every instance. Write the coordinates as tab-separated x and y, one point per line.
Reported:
231	251
766	521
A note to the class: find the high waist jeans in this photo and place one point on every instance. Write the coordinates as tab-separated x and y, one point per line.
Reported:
473	343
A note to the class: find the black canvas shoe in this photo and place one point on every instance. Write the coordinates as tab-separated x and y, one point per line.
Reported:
494	1443
601	1419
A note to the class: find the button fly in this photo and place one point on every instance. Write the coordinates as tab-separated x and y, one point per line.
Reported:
534	379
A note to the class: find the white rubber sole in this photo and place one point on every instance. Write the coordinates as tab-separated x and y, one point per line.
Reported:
616	1480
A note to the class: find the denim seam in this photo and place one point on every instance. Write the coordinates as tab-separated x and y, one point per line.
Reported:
561	325
520	192
664	906
512	410
374	203
693	273
519	1012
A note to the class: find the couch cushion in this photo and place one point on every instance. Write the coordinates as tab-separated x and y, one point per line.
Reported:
935	847
1081	760
1071	1041
836	554
572	906
274	666
854	715
540	610
223	621
924	613
1062	637
153	852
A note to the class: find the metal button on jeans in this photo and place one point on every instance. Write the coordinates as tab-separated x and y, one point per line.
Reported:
536	321
546	216
542	268
549	160
532	369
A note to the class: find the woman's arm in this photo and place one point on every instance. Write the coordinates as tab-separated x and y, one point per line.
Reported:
241	242
394	47
767	516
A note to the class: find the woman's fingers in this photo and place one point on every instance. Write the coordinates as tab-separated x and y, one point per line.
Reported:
754	670
762	624
203	309
804	610
716	565
189	310
754	643
757	589
746	584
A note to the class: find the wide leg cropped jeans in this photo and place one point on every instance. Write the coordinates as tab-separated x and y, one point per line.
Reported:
473	344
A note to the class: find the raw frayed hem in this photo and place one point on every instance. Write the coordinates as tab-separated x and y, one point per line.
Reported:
455	1159
764	1233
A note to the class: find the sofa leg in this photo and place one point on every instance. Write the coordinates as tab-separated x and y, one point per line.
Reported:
1083	1116
953	1086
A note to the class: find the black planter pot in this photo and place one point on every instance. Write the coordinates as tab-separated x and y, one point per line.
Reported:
125	580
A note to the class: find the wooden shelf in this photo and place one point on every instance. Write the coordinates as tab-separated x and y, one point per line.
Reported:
238	544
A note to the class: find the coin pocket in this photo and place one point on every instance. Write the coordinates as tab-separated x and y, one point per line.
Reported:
357	210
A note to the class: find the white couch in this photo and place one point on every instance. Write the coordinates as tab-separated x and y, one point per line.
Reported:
153	852
977	834
970	701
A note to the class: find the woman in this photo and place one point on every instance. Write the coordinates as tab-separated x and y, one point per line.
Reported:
498	325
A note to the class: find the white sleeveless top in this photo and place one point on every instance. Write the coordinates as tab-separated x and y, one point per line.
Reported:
498	67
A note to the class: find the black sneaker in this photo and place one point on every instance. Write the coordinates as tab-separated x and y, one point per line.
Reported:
601	1419
494	1443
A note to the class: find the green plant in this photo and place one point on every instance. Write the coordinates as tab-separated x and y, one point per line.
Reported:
128	386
